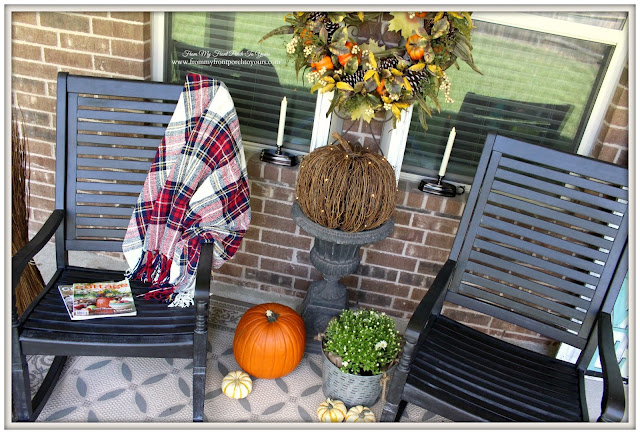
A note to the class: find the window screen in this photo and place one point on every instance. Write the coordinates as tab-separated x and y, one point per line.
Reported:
224	45
536	87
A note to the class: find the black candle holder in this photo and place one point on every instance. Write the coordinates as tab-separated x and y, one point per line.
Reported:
439	188
278	157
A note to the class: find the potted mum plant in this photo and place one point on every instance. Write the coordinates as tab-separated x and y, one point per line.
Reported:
360	348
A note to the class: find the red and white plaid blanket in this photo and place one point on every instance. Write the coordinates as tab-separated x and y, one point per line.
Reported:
196	190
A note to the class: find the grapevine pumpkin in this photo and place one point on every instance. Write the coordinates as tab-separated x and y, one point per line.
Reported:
237	385
269	340
332	410
360	413
346	187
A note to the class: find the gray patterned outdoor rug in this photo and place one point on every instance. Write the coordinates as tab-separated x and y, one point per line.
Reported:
132	389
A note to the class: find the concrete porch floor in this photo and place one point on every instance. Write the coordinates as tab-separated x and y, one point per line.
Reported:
45	260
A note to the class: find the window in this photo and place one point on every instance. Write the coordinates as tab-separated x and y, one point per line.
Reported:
548	78
224	45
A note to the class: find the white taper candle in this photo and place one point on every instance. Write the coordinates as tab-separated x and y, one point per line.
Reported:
447	152
283	116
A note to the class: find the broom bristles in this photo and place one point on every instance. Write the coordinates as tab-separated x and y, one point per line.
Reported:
31	282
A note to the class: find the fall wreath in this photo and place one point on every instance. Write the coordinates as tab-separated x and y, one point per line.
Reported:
376	61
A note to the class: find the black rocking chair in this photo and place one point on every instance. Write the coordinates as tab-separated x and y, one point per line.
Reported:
542	244
108	131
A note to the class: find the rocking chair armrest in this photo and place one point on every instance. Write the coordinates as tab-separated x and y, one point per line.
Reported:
613	398
430	303
22	257
203	274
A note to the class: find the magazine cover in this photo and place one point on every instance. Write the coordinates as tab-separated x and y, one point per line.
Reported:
102	299
66	292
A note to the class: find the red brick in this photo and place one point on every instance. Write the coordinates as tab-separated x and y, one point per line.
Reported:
34	69
418	293
429	268
84	43
133	50
384	287
254	168
41	133
256	204
76	23
268	277
434	203
53	56
120	66
229	269
618	136
416	199
271	172
253	233
39	118
608	153
439	240
139	17
284	267
26	51
368	270
618	117
413	279
401	217
28	85
390	261
408	234
388	245
272	191
42	176
286	239
272	222
453	207
269	251
246	259
117	29
23	17
34	35
282	209
427	253
435	224
404	305
289	175
301	284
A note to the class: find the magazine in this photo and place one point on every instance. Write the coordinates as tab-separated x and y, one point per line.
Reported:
98	300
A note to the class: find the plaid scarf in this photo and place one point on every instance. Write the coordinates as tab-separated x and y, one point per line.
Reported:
196	190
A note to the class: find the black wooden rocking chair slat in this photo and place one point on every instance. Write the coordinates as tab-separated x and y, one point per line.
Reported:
542	244
107	134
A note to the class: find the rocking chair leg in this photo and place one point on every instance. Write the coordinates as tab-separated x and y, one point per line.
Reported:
47	386
199	361
20	387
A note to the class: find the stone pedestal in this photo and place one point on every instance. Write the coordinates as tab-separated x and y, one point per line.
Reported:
335	254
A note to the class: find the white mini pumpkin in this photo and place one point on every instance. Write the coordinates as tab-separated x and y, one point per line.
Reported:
237	384
332	410
360	413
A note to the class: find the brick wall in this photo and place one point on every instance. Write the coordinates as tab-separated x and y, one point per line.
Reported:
109	44
612	143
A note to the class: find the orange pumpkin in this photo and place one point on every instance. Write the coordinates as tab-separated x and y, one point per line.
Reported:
344	58
103	302
381	89
415	46
325	62
269	340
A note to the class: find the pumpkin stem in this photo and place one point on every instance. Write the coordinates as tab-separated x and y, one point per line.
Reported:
271	316
345	145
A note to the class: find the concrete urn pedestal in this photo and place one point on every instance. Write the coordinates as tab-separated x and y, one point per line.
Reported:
335	254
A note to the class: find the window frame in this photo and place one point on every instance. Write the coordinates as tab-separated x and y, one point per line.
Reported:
323	125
